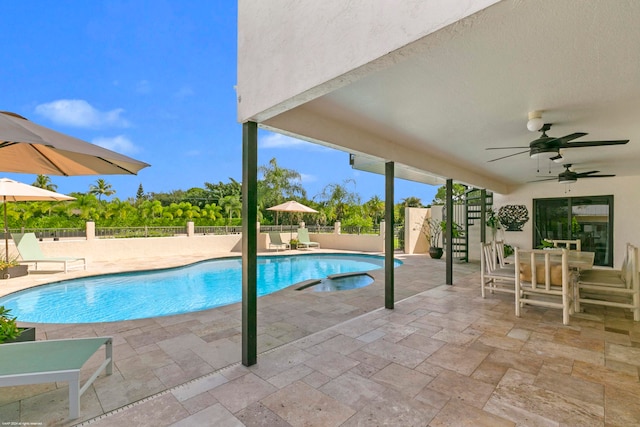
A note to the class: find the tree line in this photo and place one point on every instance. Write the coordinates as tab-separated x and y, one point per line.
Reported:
212	205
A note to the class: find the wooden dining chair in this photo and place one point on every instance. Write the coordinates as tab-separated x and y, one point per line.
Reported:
612	288
544	280
498	246
493	277
574	245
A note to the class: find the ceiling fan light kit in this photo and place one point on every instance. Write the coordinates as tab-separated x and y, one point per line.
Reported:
543	153
535	122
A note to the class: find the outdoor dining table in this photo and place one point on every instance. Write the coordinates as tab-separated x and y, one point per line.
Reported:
581	260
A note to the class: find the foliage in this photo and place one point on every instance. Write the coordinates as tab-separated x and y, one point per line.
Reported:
140	196
278	185
6	264
8	326
508	250
544	244
441	195
211	205
374	208
338	199
44	182
432	229
102	188
492	219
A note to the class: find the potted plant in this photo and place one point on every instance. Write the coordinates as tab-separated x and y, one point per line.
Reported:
293	243
493	222
432	229
12	268
9	330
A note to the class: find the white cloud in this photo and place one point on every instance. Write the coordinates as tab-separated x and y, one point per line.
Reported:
277	140
304	177
79	113
143	86
184	92
120	144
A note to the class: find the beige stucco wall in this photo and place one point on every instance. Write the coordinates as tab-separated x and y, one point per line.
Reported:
626	207
101	250
292	51
345	242
116	249
414	241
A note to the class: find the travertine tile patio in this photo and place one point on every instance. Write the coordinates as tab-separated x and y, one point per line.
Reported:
443	356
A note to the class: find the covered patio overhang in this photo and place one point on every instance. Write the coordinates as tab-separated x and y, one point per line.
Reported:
430	86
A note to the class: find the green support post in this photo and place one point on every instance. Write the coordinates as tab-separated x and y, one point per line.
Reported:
249	243
449	232
389	247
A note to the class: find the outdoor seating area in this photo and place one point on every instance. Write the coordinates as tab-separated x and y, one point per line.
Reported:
442	356
561	278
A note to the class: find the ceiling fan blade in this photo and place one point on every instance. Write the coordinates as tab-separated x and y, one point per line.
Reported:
584	174
510	155
555	178
595	143
571	137
504	148
596	176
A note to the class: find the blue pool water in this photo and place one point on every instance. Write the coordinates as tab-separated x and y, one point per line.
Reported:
199	286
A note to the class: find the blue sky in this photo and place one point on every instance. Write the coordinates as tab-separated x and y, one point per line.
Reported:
154	80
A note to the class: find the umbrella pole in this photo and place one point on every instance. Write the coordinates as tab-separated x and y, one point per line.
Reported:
6	230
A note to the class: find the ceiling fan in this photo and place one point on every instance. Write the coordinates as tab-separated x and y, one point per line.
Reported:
548	147
568	176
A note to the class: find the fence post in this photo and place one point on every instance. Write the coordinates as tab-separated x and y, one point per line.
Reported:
337	227
190	229
90	230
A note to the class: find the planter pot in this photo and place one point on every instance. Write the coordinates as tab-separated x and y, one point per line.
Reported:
26	334
14	271
435	253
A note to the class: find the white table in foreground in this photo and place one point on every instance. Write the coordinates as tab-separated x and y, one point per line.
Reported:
35	362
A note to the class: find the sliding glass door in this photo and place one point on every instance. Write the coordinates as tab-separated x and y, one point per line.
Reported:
589	219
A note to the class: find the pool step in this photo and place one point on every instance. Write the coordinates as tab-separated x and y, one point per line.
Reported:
306	284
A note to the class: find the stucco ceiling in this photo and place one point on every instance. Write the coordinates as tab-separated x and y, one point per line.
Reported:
470	86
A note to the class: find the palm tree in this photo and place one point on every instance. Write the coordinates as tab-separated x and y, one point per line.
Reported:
102	188
375	208
280	183
338	197
44	182
231	205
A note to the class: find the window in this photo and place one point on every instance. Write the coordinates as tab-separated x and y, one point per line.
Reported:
589	219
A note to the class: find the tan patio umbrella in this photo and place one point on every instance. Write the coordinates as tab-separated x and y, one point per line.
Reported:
26	147
291	206
14	191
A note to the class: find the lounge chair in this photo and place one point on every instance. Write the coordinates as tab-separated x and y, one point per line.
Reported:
275	240
30	252
38	362
304	241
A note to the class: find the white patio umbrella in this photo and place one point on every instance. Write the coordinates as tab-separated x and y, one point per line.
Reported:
14	191
291	206
26	147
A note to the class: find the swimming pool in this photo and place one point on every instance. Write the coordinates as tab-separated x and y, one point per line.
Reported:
200	286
